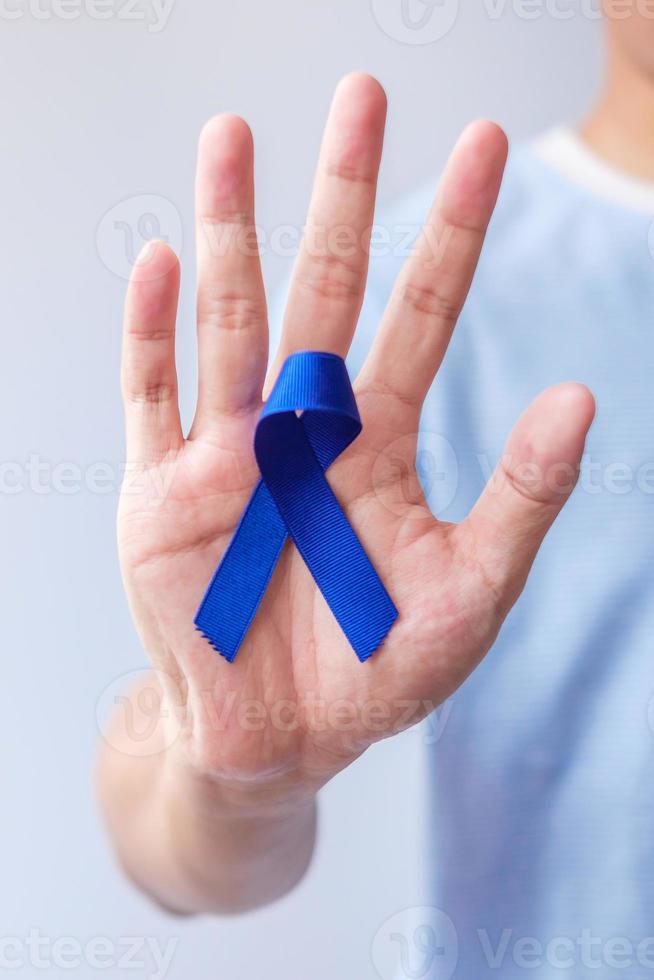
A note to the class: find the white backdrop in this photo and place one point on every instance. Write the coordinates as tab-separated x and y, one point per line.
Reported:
103	101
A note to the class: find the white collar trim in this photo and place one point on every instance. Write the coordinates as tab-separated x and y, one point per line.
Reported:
564	150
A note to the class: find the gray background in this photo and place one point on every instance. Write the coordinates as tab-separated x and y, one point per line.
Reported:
98	112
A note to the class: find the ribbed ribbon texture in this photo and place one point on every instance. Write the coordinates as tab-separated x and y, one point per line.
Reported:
293	498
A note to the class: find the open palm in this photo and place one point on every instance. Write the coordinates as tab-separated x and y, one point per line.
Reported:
296	701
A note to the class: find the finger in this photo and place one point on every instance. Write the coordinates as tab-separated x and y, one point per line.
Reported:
232	325
432	287
330	273
148	375
531	484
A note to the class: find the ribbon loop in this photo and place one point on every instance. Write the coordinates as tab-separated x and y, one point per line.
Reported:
294	498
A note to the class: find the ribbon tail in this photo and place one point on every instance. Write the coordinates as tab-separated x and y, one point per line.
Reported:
238	585
324	537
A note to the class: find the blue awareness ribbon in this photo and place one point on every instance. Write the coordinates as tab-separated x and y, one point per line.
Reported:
310	418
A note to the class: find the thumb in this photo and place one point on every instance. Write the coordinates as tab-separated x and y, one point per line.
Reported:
531	484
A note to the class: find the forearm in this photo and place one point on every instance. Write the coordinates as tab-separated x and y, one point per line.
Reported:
200	845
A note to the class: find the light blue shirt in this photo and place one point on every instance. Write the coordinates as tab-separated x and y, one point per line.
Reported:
541	855
543	777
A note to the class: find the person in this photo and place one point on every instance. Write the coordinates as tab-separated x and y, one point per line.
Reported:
542	796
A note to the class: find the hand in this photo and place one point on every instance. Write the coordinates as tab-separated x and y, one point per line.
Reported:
452	584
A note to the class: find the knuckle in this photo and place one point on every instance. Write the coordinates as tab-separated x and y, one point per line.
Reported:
332	276
350	174
430	301
220	217
150	394
536	485
229	311
491	586
145	334
379	387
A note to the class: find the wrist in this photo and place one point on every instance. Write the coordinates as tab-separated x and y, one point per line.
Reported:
215	794
231	845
